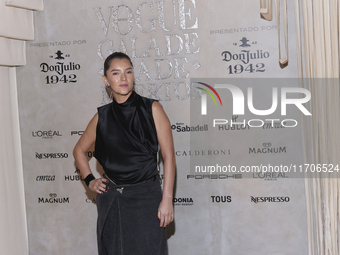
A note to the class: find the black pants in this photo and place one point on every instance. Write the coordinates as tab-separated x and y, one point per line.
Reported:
127	220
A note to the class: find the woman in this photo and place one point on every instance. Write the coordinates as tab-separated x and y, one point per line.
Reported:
126	134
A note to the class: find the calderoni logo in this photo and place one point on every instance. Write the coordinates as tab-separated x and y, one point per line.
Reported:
89	200
53	199
45	178
220	199
183	201
269	199
207	152
181	127
267	149
270	176
213	176
46	134
51	155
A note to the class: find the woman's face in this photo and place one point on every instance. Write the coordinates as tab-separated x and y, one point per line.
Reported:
120	77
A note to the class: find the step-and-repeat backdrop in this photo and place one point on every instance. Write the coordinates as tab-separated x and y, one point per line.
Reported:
182	51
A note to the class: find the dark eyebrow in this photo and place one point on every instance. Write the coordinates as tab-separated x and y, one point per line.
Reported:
114	70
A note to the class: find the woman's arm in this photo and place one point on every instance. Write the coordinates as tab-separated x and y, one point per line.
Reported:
84	143
165	140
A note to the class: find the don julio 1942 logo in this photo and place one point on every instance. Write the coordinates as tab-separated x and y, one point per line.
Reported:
60	71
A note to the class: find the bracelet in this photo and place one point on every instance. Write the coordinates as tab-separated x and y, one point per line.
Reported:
88	179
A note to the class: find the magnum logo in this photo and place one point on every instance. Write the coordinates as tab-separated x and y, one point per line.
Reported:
267	149
53	199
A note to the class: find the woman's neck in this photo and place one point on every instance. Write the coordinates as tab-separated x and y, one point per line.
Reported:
121	98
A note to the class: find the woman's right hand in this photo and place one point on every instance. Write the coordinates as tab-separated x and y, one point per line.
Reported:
98	185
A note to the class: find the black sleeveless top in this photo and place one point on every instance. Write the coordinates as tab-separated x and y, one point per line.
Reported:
126	140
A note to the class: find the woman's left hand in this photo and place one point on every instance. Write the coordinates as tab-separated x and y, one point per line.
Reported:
165	212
